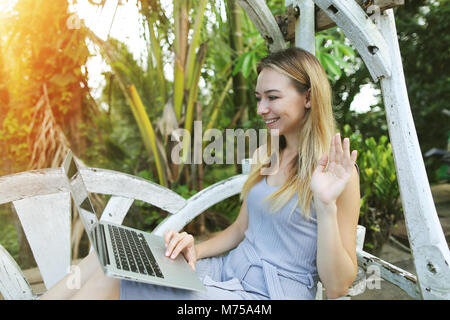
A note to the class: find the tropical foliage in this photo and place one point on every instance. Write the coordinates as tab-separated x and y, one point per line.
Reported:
201	65
380	194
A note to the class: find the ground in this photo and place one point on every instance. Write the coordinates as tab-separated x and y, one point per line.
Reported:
396	253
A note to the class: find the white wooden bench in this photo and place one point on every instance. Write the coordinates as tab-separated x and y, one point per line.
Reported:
42	201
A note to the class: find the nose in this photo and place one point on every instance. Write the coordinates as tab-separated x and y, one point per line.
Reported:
262	107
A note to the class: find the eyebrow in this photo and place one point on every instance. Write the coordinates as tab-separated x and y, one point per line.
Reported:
268	91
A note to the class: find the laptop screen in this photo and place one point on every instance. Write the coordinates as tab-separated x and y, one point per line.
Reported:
79	192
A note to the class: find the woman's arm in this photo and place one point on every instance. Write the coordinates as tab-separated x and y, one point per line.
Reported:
235	233
336	198
222	242
336	240
226	239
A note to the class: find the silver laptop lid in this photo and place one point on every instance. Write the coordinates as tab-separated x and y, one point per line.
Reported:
79	192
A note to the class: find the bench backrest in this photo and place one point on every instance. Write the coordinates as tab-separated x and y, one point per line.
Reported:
42	202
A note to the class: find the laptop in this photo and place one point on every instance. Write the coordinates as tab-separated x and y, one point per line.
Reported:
124	252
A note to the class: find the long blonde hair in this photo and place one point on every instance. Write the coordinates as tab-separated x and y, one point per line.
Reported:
315	130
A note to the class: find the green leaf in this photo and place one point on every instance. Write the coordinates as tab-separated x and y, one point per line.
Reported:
346	50
330	65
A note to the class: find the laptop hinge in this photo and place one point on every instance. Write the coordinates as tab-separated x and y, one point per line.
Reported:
104	246
102	249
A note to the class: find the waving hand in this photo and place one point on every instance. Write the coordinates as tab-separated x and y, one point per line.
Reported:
328	183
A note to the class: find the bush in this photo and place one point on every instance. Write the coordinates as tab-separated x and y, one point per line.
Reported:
380	194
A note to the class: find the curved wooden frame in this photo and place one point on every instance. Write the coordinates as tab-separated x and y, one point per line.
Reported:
378	46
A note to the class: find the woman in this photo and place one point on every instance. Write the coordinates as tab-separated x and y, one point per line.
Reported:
296	225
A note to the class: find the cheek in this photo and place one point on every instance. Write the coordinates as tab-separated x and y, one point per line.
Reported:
295	108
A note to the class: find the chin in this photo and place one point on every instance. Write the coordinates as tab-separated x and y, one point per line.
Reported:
275	132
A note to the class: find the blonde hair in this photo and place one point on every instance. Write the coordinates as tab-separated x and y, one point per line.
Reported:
315	130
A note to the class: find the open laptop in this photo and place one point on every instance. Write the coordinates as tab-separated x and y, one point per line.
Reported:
127	253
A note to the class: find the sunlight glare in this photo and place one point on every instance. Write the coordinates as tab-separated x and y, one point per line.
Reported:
6	5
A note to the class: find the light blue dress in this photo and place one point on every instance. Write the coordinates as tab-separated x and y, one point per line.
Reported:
276	259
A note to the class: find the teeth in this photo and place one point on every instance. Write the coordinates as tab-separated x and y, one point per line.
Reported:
271	121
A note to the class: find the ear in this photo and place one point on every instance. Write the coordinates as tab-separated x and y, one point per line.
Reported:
308	99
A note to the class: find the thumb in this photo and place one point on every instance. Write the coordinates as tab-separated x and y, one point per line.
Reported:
322	164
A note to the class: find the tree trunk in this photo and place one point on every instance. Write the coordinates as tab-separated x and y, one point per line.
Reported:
234	16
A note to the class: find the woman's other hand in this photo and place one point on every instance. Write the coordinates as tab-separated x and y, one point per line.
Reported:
180	242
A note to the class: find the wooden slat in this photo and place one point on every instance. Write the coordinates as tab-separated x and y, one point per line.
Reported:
116	209
363	34
49	181
304	27
323	21
265	22
31	183
124	185
426	237
395	275
46	221
13	284
202	201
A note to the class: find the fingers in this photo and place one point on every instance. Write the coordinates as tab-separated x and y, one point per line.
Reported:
177	242
349	158
354	155
168	234
346	151
186	241
332	157
191	257
340	152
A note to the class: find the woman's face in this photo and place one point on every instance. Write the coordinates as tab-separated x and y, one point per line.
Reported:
279	103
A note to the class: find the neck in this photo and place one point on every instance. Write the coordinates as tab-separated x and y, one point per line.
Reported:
291	143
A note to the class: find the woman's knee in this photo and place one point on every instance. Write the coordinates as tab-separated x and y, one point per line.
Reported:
99	287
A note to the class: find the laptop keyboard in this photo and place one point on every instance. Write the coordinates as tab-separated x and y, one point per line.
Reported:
132	252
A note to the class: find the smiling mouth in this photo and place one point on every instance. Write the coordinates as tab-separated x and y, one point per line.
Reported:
271	121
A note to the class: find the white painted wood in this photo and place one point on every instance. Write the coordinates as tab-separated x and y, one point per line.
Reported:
426	237
324	22
319	292
202	201
31	183
45	220
305	26
389	272
246	166
38	195
13	284
360	235
265	22
362	32
124	185
49	181
116	209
